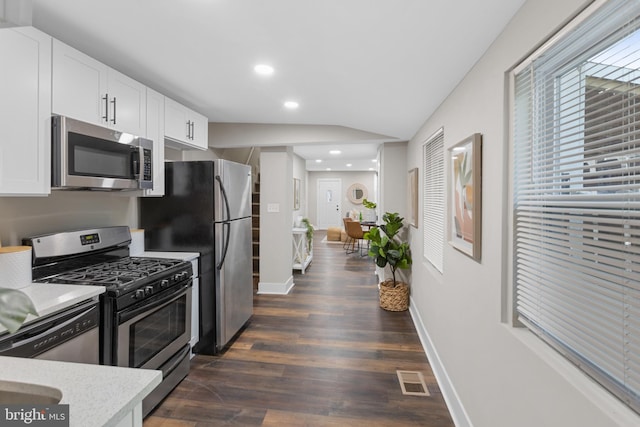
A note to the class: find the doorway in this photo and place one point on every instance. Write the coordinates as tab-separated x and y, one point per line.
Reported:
329	203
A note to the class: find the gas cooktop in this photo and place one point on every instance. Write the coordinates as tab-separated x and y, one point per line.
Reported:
121	272
100	257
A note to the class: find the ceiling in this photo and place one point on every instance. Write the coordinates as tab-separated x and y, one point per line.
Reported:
377	66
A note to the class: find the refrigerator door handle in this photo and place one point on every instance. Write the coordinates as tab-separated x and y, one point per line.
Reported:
227	226
224	197
225	223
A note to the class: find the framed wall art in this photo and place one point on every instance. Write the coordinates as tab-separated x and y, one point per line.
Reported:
465	196
296	194
413	197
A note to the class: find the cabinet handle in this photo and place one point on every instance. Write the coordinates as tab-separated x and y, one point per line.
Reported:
114	110
193	127
106	107
188	129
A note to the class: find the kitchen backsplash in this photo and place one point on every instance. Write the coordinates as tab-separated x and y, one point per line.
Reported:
63	210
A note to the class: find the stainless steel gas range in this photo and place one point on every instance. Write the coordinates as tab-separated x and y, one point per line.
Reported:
145	313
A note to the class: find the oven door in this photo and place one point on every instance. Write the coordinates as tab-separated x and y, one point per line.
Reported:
150	334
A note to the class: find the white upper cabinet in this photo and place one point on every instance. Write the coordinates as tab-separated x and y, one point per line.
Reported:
88	90
25	112
155	132
184	128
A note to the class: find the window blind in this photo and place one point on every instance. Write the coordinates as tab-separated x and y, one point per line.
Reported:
576	196
433	199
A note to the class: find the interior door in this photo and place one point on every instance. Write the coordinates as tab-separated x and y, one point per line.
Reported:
329	203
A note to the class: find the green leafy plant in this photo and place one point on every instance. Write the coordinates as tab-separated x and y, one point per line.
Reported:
385	249
309	233
15	306
369	205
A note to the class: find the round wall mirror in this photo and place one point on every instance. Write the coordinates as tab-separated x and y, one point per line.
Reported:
356	193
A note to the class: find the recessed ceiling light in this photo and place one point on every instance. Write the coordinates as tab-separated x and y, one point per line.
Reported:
349	165
374	160
334	152
318	161
328	169
263	69
370	169
291	105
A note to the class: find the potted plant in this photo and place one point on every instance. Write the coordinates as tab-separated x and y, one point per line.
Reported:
309	233
372	206
387	249
369	205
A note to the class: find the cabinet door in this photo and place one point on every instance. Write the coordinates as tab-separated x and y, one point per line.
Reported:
79	85
126	103
176	118
25	112
184	127
155	132
200	131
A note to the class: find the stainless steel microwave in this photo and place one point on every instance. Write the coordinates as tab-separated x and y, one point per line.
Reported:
89	157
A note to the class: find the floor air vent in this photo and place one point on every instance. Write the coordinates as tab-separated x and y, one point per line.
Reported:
412	383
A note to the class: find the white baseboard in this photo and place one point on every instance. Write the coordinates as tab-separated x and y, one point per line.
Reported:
458	414
276	288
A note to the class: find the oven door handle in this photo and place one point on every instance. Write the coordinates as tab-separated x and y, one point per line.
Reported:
154	303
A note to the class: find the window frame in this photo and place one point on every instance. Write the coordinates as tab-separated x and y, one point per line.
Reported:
510	299
428	225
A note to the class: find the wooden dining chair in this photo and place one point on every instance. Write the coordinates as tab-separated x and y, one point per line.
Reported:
354	230
348	239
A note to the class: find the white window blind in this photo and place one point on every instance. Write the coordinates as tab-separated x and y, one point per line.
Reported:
577	196
433	209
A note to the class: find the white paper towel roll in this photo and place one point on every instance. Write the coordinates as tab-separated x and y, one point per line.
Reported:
137	242
15	267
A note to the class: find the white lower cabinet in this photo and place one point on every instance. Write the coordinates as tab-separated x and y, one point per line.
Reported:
133	418
25	112
184	128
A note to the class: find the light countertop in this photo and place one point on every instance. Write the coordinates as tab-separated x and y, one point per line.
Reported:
97	395
49	298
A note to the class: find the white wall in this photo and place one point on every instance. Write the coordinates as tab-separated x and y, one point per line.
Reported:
63	211
276	207
392	164
498	375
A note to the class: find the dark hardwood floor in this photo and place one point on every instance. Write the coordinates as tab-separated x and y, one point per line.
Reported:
324	355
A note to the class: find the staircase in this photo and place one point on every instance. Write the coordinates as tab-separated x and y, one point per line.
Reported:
255	232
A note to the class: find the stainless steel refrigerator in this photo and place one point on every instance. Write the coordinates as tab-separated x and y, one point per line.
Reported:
207	208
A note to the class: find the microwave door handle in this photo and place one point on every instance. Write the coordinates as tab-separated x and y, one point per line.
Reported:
136	155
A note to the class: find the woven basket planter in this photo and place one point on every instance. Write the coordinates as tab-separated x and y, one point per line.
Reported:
394	299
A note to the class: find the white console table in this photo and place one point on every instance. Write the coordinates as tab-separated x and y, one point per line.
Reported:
301	255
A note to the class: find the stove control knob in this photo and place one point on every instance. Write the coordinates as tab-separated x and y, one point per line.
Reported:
148	290
139	294
164	283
